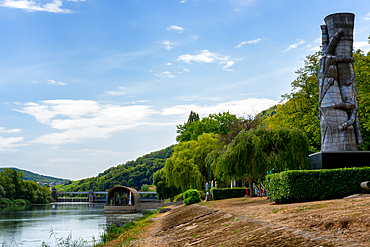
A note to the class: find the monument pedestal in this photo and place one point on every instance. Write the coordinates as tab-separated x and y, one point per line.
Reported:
339	159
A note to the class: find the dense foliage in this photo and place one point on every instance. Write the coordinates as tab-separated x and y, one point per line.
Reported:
191	196
255	153
214	123
186	169
301	186
13	187
164	190
132	174
362	68
37	177
224	193
301	109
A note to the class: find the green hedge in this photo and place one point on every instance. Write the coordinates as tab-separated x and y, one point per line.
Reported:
224	193
312	185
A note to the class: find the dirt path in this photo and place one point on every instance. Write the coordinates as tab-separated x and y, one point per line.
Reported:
258	222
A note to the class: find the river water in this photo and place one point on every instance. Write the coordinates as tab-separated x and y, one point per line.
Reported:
31	225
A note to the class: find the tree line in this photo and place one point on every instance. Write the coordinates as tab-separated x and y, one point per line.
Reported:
13	187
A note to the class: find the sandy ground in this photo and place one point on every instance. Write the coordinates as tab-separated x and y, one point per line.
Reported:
258	222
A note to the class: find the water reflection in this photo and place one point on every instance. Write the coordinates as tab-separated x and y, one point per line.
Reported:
30	225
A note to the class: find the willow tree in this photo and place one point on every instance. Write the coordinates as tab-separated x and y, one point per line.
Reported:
254	153
186	168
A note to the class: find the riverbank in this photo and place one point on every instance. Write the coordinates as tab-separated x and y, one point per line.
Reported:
258	222
5	202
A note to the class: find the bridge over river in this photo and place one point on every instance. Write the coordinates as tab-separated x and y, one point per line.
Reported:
94	196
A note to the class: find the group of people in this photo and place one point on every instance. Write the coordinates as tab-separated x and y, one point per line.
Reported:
213	185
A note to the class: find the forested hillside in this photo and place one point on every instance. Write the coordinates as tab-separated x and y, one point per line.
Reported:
37	177
15	190
132	174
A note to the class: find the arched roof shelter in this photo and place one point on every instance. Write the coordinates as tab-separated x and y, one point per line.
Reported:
119	196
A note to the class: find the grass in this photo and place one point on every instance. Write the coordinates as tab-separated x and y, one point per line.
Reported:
117	236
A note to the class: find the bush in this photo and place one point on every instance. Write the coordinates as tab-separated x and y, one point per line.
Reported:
224	193
5	201
191	196
311	185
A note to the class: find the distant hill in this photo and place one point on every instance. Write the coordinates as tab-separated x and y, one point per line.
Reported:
37	177
132	174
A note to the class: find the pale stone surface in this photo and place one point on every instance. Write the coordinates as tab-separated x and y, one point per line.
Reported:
338	112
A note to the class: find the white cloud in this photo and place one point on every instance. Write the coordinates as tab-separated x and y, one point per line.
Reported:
367	17
52	82
316	46
10	143
255	41
165	74
53	6
363	45
176	28
238	107
186	70
206	57
168	63
228	65
3	130
168	44
119	92
295	45
76	121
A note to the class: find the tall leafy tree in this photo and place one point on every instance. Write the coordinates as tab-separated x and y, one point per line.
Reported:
253	153
163	189
362	69
187	168
300	110
214	123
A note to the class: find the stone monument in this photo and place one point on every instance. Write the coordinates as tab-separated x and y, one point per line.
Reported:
338	111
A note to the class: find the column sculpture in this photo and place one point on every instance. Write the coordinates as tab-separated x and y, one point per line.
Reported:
338	111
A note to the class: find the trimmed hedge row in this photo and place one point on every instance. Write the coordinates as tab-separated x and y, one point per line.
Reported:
312	185
224	193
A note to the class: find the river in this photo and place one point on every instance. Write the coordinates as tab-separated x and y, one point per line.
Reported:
31	225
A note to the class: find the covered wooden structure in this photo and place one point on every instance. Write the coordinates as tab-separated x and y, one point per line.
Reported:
121	200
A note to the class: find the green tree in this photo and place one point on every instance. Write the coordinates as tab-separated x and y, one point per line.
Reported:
300	111
2	191
193	117
214	123
164	191
362	69
145	187
253	153
187	169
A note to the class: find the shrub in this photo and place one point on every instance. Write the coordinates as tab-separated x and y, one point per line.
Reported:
311	185
224	193
191	196
5	201
21	202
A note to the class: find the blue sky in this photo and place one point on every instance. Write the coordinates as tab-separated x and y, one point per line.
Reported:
90	84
